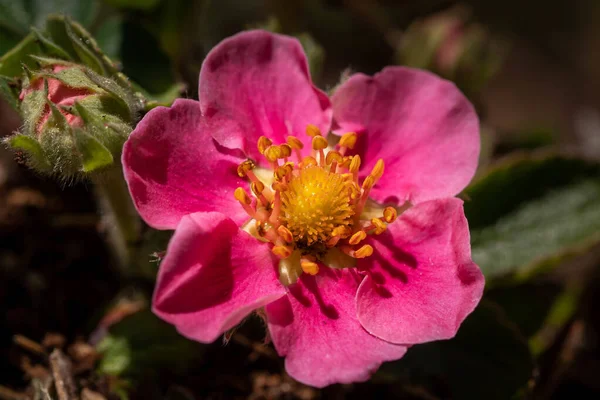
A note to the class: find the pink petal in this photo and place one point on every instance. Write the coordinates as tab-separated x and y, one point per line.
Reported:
257	83
213	275
422	126
422	282
174	167
316	328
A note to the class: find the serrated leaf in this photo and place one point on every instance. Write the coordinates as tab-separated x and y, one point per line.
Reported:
94	155
531	212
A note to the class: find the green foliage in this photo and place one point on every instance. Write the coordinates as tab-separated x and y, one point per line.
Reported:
142	344
532	211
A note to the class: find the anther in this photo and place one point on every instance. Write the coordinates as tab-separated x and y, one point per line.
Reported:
341	231
263	143
379	225
280	172
348	140
364	251
354	164
281	251
368	183
285	233
378	169
257	188
390	214
313	130
333	156
294	142
319	143
241	196
357	238
286	150
309	267
245	167
308	162
272	153
279	186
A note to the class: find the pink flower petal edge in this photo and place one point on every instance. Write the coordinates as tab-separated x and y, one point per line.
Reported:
422	281
423	127
173	167
257	83
316	329
213	276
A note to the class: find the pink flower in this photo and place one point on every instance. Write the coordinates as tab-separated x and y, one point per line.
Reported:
352	264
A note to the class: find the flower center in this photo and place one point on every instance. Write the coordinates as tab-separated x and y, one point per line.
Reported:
313	212
315	204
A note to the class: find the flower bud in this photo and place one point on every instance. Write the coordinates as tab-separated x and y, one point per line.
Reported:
77	109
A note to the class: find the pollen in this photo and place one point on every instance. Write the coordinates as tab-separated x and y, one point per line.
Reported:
315	204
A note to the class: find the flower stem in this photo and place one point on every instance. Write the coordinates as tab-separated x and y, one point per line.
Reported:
119	217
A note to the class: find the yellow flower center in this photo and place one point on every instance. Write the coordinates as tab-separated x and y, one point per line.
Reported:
315	204
313	213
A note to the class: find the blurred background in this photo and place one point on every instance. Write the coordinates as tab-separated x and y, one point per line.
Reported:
532	69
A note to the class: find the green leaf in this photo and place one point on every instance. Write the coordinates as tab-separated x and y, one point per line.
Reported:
94	155
32	148
530	212
109	36
11	63
488	359
9	93
142	344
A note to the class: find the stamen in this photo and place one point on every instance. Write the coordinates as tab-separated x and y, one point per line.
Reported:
313	130
378	169
319	143
285	233
347	141
257	188
281	251
245	200
297	145
364	251
263	143
309	267
272	154
354	166
314	212
286	151
390	214
333	158
294	143
245	167
357	238
379	225
308	161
